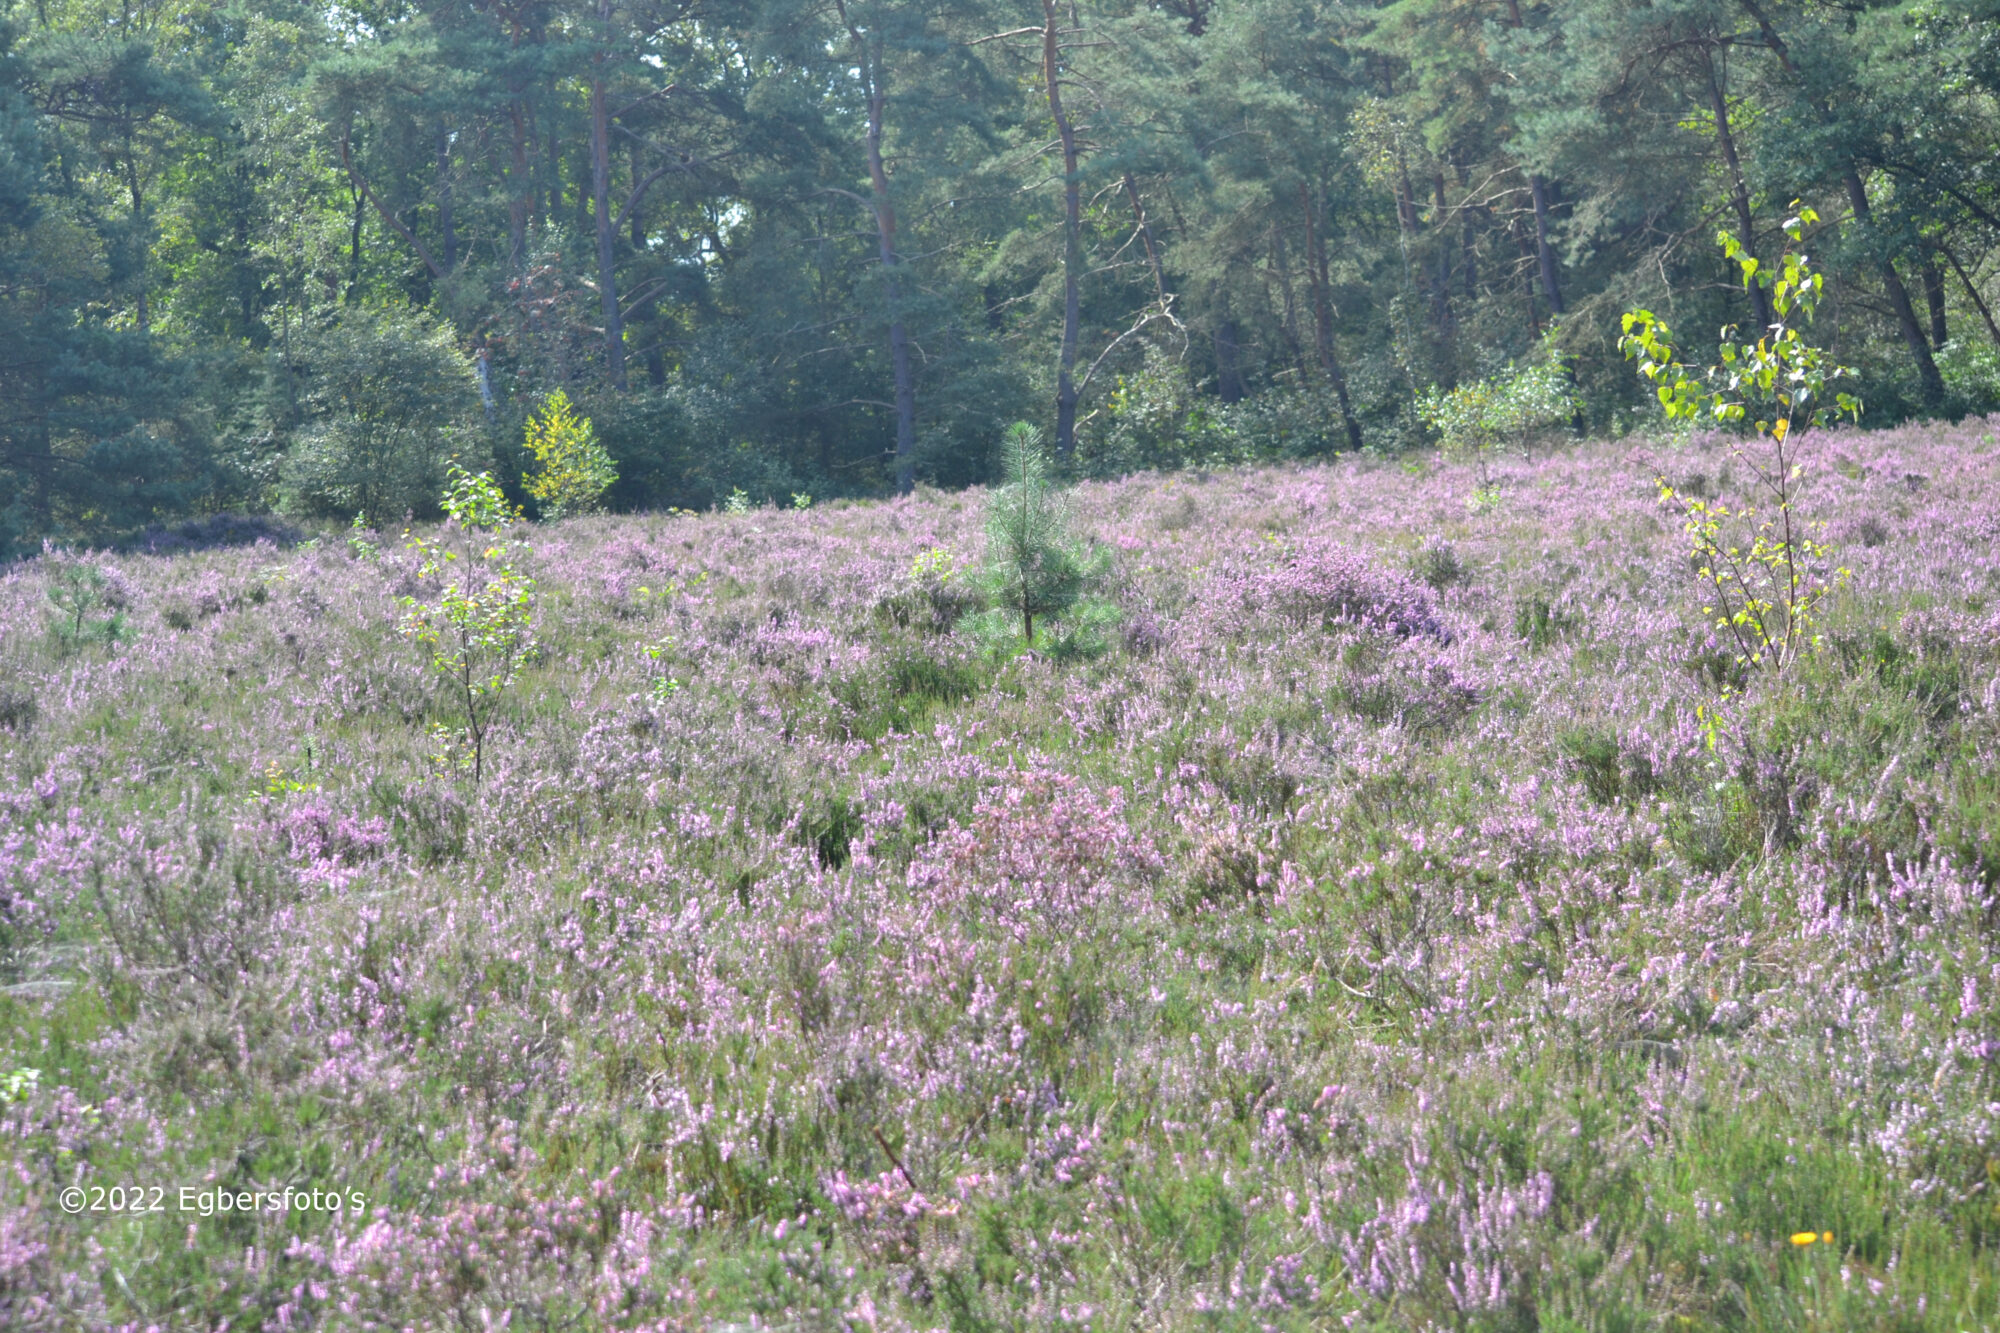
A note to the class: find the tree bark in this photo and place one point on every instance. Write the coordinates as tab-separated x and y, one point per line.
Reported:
1899	296
1072	236
1545	254
445	221
1538	192
1739	193
869	56
393	222
1978	301
1323	318
1934	300
600	191
1228	372
1857	196
1146	236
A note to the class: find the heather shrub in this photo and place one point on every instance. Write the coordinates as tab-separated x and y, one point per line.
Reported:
899	689
1295	969
1326	585
1539	623
936	596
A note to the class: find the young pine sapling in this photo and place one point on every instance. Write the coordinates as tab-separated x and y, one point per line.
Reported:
1035	574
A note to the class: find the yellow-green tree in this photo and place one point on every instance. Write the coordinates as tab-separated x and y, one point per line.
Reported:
573	470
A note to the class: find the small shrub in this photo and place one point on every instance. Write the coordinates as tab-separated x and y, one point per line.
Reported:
1765	575
18	709
1479	418
481	628
1539	623
1328	585
573	470
1437	565
1034	568
89	601
897	694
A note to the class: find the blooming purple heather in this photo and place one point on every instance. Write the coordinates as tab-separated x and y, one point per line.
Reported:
1415	917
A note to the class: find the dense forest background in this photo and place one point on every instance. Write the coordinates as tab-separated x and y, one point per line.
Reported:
279	257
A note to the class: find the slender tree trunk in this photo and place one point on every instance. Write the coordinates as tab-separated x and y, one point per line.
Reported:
1545	254
1899	296
445	222
389	219
1281	265
1228	373
600	191
875	78
1978	301
1739	193
1146	236
1072	236
521	201
1322	295
354	248
1934	300
1857	196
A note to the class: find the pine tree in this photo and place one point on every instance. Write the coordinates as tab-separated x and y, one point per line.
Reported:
1033	569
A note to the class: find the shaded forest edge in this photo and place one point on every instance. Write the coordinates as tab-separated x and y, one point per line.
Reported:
290	260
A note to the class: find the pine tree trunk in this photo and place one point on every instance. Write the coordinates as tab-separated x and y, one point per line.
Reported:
1978	301
1934	299
1739	193
1323	319
1545	254
1072	238
446	228
1538	191
892	286
1899	295
600	193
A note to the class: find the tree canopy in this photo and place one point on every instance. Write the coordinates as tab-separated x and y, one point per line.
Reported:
833	246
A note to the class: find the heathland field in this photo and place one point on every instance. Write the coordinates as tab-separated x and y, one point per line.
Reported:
1406	914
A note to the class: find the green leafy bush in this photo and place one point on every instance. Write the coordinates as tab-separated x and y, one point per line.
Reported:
1764	571
572	469
480	629
386	393
1481	417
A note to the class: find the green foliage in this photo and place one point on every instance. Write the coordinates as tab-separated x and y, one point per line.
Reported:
1154	418
480	628
385	393
1764	570
1034	570
89	601
359	544
1481	417
573	470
